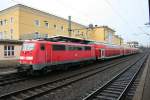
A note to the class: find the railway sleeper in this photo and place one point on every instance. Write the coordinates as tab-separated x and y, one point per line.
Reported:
117	86
117	89
120	84
112	95
101	97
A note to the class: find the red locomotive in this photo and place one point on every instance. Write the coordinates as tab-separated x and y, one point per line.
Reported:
43	55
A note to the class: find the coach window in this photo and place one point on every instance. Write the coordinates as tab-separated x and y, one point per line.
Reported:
78	48
42	47
58	47
87	48
71	47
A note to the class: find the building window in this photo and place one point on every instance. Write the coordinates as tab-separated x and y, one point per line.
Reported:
46	35
8	50
46	24
5	21
37	22
11	32
54	26
36	35
72	31
1	22
1	35
5	35
11	20
62	28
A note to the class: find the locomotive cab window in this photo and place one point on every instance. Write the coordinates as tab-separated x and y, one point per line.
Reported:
28	46
58	47
42	47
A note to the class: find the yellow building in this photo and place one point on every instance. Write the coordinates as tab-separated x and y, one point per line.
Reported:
117	40
22	22
102	34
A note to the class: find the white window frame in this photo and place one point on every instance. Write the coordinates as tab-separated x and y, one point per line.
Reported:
1	35
9	50
11	33
37	22
11	19
62	28
55	26
5	21
46	24
1	22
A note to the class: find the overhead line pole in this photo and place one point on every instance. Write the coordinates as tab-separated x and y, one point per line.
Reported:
149	9
69	26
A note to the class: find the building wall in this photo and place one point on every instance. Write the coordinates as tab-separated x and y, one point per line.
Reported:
102	34
24	27
117	40
56	25
97	34
9	27
24	24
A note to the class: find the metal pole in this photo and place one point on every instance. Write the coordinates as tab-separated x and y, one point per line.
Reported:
69	25
149	10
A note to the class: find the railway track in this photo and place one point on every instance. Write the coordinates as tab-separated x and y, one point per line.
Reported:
14	78
117	87
42	89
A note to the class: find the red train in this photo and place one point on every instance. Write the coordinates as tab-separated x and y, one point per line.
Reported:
43	55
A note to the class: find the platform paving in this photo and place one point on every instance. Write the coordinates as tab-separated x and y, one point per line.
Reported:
8	66
143	90
146	90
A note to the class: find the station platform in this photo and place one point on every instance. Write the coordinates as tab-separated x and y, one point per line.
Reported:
143	90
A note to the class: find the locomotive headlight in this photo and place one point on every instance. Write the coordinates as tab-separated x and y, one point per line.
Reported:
29	58
21	57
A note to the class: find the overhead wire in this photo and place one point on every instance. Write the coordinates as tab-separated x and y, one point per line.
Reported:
82	14
123	19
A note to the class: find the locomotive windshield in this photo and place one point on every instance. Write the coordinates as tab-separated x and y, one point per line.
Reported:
28	46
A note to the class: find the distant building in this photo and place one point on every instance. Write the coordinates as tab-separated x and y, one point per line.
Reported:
134	44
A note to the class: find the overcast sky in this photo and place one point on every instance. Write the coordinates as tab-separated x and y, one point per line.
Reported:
127	17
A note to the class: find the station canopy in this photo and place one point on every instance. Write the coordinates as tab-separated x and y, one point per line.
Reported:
67	39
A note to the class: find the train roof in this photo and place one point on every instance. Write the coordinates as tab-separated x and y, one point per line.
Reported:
52	42
67	39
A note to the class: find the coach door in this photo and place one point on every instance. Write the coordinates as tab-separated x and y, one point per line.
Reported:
102	53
